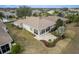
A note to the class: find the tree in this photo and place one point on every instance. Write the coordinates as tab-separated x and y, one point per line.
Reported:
23	11
60	31
71	18
35	14
56	12
61	15
1	15
59	23
77	20
16	49
11	16
43	14
65	9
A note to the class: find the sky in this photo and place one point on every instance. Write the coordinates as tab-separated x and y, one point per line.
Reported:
41	6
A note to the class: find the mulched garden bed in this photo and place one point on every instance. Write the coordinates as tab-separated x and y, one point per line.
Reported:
52	44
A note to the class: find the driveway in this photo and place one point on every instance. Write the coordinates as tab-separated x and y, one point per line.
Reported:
46	37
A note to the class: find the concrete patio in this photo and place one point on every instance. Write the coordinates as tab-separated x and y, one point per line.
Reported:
46	37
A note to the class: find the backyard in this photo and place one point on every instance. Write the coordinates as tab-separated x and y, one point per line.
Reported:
25	39
31	45
73	46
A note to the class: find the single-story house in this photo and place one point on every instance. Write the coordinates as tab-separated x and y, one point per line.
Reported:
37	12
6	14
5	20
5	40
37	25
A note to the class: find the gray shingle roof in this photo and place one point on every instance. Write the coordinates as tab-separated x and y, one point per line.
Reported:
4	36
36	22
39	22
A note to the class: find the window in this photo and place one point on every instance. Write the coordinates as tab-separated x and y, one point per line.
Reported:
42	31
47	29
35	31
5	48
0	52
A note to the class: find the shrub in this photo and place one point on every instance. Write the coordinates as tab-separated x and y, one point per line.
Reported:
50	43
55	33
68	21
1	15
16	49
63	36
11	17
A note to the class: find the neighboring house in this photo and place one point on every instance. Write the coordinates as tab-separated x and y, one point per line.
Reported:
7	14
37	25
37	12
74	9
5	20
5	40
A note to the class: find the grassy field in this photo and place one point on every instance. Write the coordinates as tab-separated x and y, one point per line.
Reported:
73	46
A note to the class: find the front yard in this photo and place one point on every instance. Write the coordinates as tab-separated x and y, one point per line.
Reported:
31	45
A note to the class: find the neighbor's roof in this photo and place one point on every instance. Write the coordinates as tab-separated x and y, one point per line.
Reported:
36	11
9	13
4	36
39	22
55	18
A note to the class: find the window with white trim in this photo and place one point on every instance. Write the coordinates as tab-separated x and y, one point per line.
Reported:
42	31
0	51
5	48
35	31
47	29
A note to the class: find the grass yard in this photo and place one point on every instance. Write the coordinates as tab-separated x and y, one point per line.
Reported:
73	46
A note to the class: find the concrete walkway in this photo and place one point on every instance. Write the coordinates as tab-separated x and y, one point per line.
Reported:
46	37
